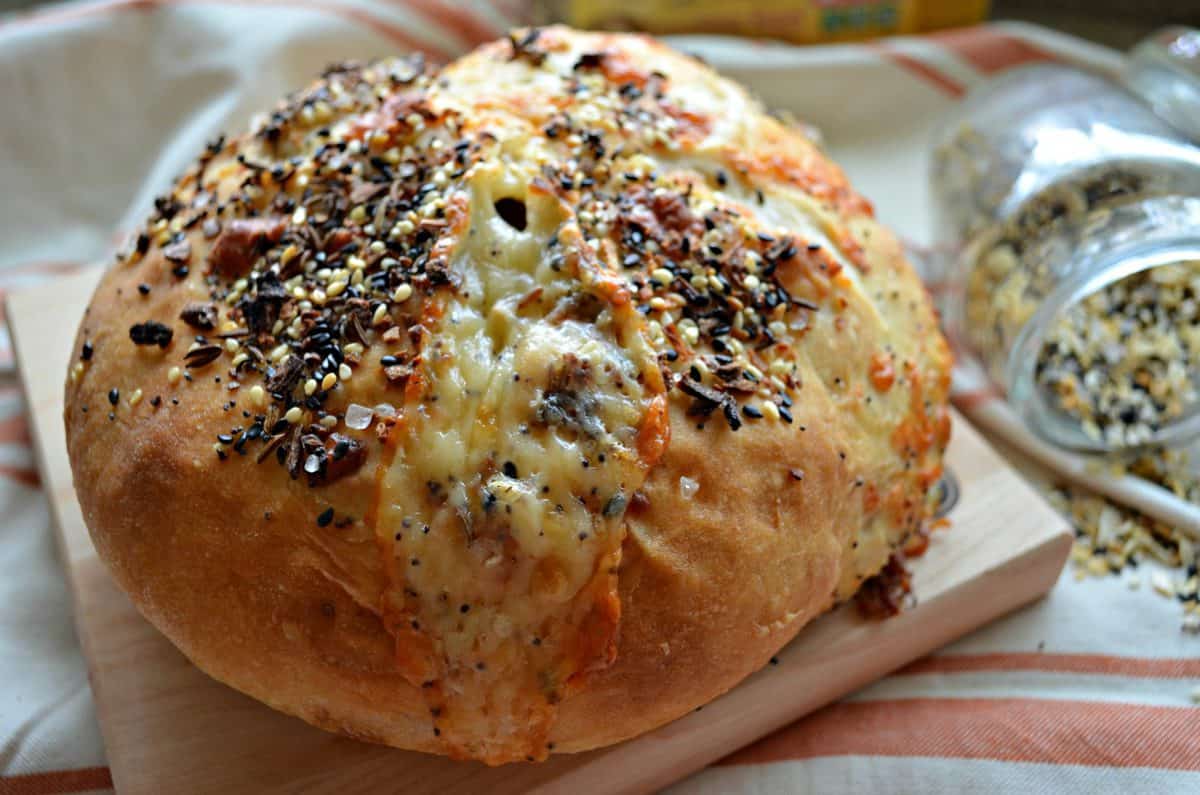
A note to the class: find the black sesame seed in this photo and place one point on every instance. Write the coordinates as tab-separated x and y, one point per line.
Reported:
325	517
114	395
615	505
87	351
151	333
510	469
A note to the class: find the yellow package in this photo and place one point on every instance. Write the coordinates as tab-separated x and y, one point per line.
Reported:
802	21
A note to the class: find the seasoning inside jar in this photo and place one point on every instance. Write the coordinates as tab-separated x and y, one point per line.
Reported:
1022	262
1085	305
1076	214
1123	361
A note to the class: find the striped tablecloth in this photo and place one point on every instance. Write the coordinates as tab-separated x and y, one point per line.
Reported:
101	103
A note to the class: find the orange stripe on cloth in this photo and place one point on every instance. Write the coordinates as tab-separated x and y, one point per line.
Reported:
515	11
26	477
57	782
1006	730
967	402
1106	665
988	50
15	430
40	266
454	18
908	63
396	33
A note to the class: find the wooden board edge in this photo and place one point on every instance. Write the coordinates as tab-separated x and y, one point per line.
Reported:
13	311
42	448
1040	564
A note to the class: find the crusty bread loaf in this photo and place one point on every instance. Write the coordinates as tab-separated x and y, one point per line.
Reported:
516	407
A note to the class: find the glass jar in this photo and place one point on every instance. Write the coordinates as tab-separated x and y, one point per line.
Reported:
1062	191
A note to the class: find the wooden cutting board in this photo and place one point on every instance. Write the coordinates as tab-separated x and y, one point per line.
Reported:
169	728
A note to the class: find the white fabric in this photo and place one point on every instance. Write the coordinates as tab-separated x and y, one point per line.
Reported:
103	103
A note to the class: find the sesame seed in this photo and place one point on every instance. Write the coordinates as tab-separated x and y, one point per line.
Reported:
329	381
662	275
294	415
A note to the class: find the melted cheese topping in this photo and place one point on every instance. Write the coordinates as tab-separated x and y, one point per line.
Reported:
504	503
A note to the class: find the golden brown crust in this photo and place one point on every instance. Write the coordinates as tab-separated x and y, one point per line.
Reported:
745	529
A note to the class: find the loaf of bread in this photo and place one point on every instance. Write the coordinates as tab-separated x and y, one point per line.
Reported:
514	407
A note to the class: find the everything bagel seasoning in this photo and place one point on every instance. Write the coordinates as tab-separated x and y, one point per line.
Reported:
1123	361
